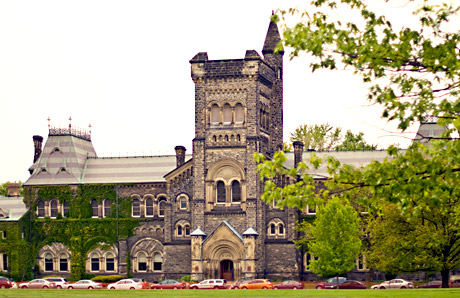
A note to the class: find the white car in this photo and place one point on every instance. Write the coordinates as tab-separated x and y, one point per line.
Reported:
85	284
394	284
210	284
61	283
127	284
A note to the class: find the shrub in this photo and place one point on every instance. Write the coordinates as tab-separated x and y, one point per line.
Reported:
107	278
186	278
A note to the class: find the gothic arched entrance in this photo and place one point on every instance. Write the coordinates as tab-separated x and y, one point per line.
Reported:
226	270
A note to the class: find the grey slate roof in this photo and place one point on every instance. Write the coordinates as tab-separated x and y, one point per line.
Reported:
67	159
12	208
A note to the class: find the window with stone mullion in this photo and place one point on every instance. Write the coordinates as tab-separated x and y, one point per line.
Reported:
221	193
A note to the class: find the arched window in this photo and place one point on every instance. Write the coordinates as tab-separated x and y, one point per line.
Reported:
187	230
49	262
65	208
220	192
109	262
41	208
272	229
215	117
157	262
94	208
227	114
239	113
161	207
54	208
179	230
141	262
63	263
149	207
107	205
236	191
183	203
136	208
281	229
94	262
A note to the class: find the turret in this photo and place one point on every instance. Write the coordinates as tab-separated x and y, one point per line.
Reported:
38	140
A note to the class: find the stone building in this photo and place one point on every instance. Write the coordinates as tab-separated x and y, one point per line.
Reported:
196	214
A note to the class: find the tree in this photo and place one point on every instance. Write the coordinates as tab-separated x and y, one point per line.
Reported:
412	72
320	137
334	239
354	142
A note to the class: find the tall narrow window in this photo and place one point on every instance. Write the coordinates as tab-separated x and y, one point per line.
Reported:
236	192
161	207
41	208
94	208
63	264
94	262
136	208
220	192
187	230
149	207
281	229
5	262
65	207
141	262
239	113
107	205
183	203
227	114
109	262
179	230
272	229
48	262
54	208
215	115
157	262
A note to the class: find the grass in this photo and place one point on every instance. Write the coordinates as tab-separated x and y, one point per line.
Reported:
410	293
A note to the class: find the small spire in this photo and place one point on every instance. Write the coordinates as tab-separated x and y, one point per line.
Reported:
70	123
49	125
272	39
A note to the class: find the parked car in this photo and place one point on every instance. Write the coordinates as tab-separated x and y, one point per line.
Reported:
85	284
330	283
431	284
128	284
236	284
394	284
169	284
289	284
6	283
61	283
257	284
38	284
210	284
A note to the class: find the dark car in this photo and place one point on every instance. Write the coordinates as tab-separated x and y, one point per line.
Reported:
330	283
289	284
431	284
6	283
169	284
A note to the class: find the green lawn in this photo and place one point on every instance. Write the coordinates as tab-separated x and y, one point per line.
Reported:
413	293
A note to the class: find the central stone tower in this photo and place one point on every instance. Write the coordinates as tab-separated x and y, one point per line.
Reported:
238	112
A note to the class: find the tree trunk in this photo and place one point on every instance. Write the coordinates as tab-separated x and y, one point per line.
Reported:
445	278
337	281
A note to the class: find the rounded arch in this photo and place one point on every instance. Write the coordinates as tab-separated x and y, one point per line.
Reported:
276	228
226	169
49	257
144	255
182	201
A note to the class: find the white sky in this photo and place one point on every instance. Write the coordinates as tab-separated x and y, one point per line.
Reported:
123	66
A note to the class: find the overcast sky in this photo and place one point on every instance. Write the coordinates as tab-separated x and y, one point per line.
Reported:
123	67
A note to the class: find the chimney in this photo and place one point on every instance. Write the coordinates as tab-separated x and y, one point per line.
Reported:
13	189
298	151
180	155
38	146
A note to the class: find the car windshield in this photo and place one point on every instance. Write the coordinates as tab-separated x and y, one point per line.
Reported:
333	280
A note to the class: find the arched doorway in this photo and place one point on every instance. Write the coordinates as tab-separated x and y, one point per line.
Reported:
226	270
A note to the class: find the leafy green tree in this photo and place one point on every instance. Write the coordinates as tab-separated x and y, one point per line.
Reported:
335	240
354	142
319	137
411	72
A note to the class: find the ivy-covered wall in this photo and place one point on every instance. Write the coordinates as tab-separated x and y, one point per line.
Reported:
79	232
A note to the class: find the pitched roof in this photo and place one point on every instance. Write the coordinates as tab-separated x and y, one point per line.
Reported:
272	39
12	208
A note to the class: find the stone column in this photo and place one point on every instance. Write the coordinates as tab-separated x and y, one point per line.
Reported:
249	264
197	254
